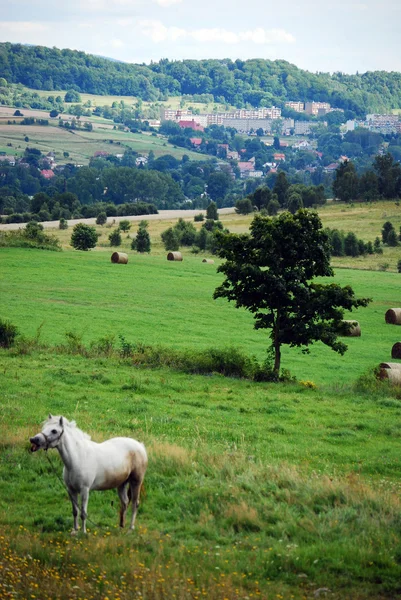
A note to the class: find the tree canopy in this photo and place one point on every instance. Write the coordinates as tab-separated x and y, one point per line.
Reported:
271	273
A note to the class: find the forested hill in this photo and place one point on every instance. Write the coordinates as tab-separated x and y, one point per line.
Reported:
257	82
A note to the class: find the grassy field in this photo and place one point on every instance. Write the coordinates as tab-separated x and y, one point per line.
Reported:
254	490
80	144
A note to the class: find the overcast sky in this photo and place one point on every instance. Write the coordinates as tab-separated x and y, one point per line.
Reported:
346	36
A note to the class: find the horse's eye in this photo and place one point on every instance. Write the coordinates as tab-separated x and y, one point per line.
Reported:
54	431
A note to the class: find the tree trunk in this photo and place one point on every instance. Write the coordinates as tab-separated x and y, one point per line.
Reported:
277	350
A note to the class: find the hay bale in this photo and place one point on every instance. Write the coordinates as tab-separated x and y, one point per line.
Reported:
208	261
174	256
392	375
393	316
119	257
390	366
351	328
396	350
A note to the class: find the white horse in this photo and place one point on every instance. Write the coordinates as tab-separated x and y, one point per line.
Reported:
116	463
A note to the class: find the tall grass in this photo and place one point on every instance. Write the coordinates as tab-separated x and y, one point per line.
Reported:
253	489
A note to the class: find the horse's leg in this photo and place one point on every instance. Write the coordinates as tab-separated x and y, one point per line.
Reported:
135	486
84	507
74	501
123	495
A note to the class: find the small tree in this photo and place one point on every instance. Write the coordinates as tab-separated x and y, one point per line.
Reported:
392	238
141	243
83	237
125	225
270	272
63	224
170	239
115	238
101	219
387	227
8	333
211	211
244	206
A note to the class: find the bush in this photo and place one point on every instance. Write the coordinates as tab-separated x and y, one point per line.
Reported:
243	206
199	217
141	243
170	239
115	238
8	333
63	224
125	225
84	237
101	219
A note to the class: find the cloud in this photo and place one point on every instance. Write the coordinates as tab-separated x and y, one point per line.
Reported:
22	26
160	33
167	2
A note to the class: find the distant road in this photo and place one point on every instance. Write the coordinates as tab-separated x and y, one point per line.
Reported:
162	214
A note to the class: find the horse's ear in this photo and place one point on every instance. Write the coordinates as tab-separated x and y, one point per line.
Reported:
61	421
50	416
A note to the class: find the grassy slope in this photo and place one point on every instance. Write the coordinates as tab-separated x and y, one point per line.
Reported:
253	490
81	145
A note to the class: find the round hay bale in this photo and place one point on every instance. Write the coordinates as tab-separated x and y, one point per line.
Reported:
396	350
174	256
351	328
208	261
393	316
393	375
390	366
119	257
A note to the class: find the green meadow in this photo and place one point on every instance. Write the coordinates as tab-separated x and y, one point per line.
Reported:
254	490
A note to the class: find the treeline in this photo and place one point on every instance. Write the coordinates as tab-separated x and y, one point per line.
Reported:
383	180
256	82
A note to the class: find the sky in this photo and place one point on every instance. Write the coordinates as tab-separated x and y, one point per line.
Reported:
348	36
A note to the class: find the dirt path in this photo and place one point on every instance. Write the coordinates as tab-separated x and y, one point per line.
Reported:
162	214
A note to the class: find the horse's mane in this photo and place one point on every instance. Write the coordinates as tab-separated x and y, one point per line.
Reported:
71	425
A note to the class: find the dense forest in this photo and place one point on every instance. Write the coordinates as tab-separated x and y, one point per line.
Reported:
256	82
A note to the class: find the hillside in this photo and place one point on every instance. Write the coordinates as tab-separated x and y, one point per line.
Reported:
257	82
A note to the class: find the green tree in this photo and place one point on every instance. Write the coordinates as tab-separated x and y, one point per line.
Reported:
101	219
125	225
387	227
83	237
243	206
351	245
280	188
115	238
211	211
170	239
271	272
389	175
261	197
141	243
345	184
392	238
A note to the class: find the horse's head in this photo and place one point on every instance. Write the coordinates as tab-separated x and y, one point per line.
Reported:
50	435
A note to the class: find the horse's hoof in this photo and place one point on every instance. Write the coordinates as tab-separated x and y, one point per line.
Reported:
74	532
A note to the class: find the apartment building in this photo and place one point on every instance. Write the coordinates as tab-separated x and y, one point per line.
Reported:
297	106
316	108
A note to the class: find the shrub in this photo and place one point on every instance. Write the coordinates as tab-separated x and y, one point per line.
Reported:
101	219
243	206
125	225
399	266
387	227
170	239
8	333
83	237
141	243
211	211
199	217
115	238
63	224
